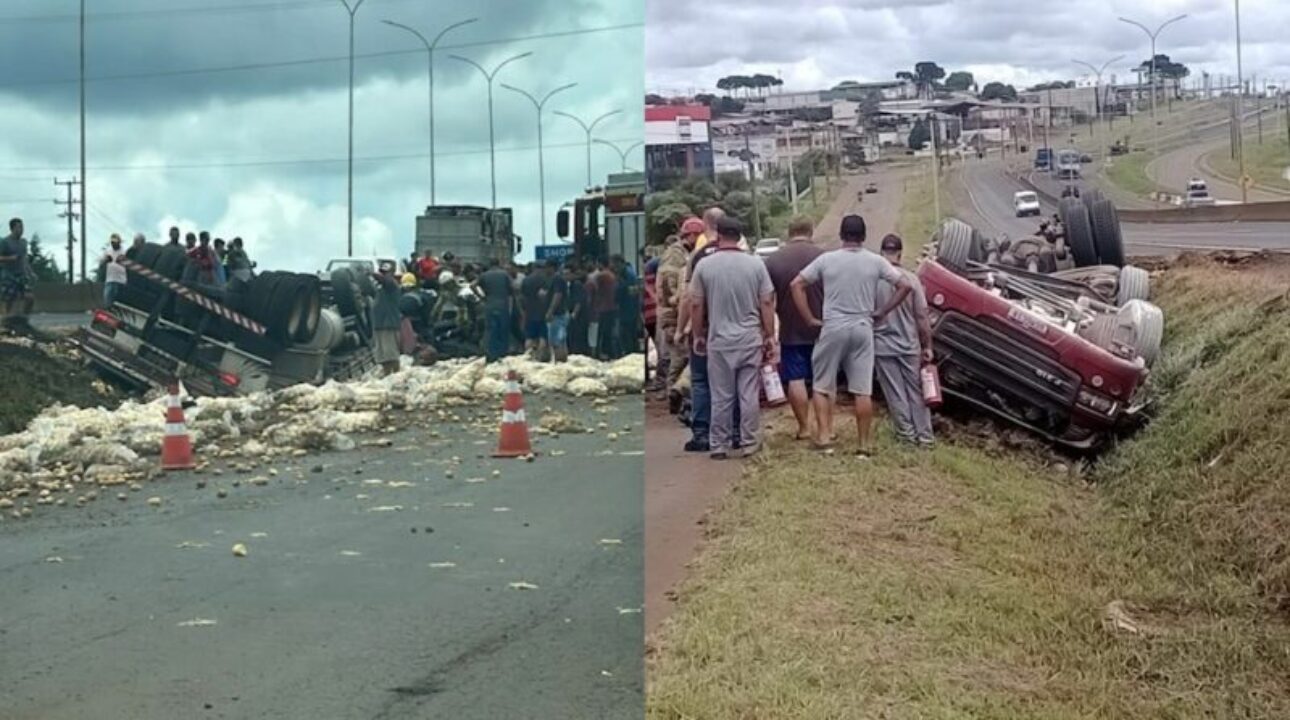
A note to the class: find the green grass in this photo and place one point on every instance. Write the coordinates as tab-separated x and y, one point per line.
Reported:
1129	173
1265	163
917	221
973	583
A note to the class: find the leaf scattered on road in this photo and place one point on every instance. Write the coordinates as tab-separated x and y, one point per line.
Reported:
459	505
239	550
350	553
629	611
522	586
196	622
443	564
191	544
53	559
501	509
610	541
386	508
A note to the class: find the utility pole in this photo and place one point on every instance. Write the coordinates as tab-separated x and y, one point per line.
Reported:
82	180
792	177
936	169
1240	114
72	216
752	179
539	106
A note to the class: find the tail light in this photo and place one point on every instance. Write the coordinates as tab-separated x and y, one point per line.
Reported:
230	379
106	323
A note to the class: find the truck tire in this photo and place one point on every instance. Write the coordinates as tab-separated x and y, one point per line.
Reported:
311	306
954	249
1148	322
1134	284
1106	232
1078	231
287	311
1090	196
344	291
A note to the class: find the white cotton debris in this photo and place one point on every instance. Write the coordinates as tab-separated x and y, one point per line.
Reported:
112	447
522	586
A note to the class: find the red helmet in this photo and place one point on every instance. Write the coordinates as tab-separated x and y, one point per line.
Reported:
692	226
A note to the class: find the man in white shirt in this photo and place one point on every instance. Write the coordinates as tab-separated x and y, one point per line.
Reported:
114	274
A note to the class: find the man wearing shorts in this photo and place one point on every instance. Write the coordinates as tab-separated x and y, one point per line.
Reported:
850	276
534	301
901	345
557	313
796	338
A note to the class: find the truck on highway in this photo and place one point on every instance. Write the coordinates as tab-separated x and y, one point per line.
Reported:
1043	159
269	332
1068	164
470	233
607	221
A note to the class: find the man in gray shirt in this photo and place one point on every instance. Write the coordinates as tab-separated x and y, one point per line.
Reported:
16	277
733	321
851	276
901	345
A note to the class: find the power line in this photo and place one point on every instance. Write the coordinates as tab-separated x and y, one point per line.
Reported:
299	161
162	12
317	60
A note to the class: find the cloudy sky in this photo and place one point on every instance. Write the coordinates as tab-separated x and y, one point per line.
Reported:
816	43
231	115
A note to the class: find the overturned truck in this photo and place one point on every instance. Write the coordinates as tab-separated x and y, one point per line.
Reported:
273	330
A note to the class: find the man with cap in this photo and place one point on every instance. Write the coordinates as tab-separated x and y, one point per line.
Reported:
671	306
901	345
850	276
114	275
733	305
796	338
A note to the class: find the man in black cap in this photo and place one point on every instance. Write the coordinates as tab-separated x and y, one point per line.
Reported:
901	345
850	276
733	320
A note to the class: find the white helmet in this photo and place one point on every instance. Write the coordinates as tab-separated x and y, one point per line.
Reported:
446	277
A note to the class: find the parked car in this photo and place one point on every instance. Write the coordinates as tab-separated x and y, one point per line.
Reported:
1198	198
871	188
1025	202
766	246
1085	158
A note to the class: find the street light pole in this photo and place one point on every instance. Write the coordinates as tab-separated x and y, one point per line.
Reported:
1155	136
352	10
1097	73
539	105
430	46
587	128
492	133
622	154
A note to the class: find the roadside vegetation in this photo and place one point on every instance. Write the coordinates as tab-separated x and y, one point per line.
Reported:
986	581
1267	163
917	221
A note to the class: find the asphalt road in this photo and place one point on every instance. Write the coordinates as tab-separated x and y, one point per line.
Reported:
338	612
989	190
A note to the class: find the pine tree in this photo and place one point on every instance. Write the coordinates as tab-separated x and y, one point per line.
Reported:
42	264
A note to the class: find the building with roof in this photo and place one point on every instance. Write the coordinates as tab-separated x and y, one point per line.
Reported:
678	143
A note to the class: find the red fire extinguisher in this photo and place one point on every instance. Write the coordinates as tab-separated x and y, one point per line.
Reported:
931	386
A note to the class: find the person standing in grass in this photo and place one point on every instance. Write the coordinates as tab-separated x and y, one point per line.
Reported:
796	337
733	316
850	276
901	345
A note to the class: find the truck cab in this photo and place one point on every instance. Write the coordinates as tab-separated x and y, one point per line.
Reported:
1043	159
1068	164
606	221
471	233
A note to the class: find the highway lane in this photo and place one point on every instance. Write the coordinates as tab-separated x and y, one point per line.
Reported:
988	192
339	610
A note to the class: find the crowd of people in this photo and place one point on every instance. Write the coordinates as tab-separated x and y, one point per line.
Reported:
214	263
547	309
812	315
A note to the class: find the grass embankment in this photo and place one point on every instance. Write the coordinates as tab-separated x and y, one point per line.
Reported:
1267	163
1129	173
917	221
968	582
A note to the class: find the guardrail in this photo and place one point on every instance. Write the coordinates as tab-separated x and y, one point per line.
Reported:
1252	212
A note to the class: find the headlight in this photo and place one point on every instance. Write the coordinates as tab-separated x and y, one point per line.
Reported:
1097	402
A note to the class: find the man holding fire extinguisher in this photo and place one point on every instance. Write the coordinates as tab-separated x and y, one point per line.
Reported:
901	346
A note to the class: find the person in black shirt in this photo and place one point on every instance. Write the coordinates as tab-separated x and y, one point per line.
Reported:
535	302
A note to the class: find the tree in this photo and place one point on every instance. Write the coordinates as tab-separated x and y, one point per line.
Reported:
1165	68
998	91
926	74
920	136
44	265
652	99
1055	85
960	81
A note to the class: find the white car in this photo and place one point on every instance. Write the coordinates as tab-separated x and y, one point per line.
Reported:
1197	184
767	246
1198	197
1026	203
366	265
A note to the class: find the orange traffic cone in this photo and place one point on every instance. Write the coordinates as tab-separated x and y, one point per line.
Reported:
176	448
514	438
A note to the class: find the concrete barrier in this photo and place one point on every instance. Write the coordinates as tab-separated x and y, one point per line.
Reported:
1252	212
63	298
